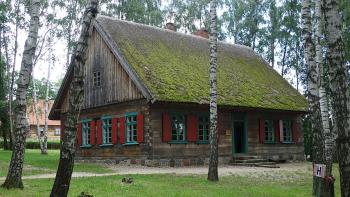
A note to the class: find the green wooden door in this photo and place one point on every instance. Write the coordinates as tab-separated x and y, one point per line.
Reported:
239	134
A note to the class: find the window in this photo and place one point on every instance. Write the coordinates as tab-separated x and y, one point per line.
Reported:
269	133
131	128
178	128
85	133
287	131
57	131
97	79
203	128
107	131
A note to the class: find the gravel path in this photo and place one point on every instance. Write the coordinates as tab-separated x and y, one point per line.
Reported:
286	171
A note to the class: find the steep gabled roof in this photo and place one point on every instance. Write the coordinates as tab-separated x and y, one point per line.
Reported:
174	67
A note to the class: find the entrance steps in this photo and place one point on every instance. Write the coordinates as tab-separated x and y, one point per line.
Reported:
252	161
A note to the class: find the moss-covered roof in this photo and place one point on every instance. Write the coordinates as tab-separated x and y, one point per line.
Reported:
175	67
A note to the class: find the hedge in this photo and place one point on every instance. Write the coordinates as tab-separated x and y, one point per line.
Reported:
35	145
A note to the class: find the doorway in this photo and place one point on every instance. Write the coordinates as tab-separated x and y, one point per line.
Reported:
239	137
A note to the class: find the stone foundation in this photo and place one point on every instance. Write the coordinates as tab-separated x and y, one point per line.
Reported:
173	162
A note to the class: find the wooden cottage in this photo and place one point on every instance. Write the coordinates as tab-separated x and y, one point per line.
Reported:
147	94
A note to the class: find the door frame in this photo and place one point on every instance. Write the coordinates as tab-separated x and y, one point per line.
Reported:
240	117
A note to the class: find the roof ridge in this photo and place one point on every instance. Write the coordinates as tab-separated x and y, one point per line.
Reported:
239	46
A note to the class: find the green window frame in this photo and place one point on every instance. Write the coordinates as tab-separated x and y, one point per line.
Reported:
203	128
107	130
178	128
85	132
269	132
287	131
131	128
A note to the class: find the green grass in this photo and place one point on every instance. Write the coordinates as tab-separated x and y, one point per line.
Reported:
35	163
281	184
172	185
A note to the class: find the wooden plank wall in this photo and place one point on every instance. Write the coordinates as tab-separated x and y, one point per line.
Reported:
118	150
273	151
116	85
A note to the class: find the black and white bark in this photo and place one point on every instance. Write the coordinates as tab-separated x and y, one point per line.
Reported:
328	187
313	93
36	114
214	152
338	78
14	176
44	139
75	102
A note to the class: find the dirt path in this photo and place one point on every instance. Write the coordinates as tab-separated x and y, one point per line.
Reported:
286	171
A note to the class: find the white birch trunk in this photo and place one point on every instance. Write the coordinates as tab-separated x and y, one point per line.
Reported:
328	188
313	96
76	96
35	110
338	78
14	176
213	160
47	101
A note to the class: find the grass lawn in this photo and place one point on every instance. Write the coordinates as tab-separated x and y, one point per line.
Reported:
287	184
171	185
35	163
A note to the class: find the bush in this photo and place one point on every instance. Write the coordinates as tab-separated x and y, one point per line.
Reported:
36	145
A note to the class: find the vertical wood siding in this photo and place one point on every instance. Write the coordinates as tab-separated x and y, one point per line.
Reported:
116	85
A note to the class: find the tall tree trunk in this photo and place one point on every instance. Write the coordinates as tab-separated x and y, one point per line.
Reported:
76	97
14	176
284	57
214	152
328	187
313	97
8	68
36	113
47	101
17	10
338	78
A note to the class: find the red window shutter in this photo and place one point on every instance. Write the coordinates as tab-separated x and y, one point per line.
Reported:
99	131
261	130
92	132
295	131
114	130
166	127
277	131
79	133
122	130
140	125
192	128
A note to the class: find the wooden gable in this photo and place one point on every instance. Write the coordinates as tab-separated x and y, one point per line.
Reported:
115	84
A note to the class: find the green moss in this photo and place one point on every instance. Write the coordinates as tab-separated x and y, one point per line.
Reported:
175	67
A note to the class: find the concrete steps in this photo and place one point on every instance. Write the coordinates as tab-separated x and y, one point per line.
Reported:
252	161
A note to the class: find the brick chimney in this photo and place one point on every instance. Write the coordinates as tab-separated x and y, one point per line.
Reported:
170	26
202	33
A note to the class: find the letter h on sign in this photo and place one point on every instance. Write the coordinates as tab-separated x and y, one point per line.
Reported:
319	170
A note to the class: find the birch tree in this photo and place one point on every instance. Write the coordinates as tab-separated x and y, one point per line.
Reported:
328	187
312	92
51	60
214	155
338	78
76	96
14	176
36	114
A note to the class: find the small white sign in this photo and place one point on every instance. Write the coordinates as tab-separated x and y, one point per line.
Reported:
319	170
